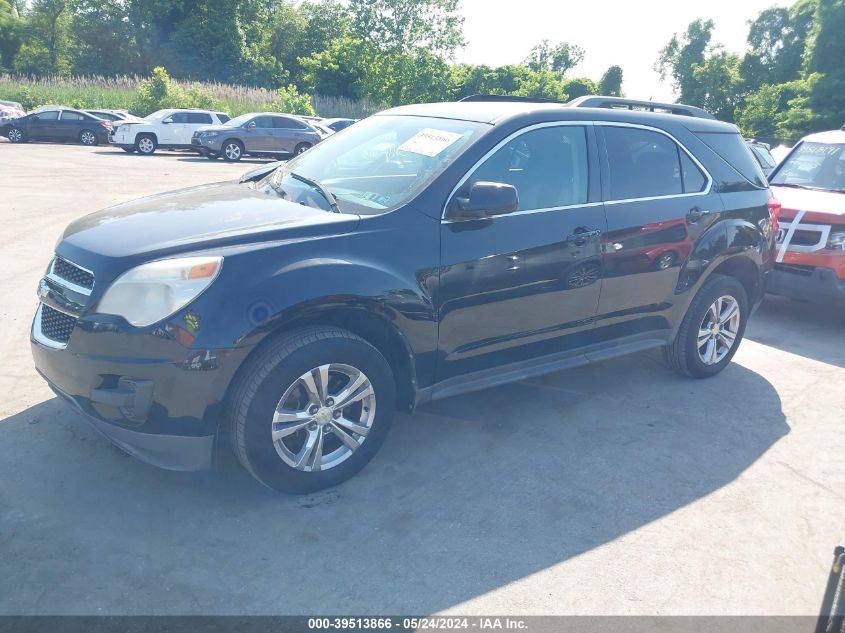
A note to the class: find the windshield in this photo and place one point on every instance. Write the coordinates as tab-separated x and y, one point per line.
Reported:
815	166
378	164
156	116
239	120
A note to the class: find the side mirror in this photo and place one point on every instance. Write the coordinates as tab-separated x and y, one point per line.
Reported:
251	125
485	199
168	120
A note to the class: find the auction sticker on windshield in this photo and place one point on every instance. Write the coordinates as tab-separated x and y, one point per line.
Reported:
429	142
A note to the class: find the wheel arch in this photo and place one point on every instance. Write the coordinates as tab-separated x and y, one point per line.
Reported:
744	270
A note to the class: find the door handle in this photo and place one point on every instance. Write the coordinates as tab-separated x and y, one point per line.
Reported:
696	213
581	236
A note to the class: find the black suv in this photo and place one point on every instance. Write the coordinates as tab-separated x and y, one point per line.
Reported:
426	251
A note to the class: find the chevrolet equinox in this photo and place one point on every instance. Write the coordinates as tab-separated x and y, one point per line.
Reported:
427	251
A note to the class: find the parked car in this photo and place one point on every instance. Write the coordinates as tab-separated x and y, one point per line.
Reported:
57	124
165	129
427	251
810	183
7	113
762	154
337	124
256	134
115	116
12	104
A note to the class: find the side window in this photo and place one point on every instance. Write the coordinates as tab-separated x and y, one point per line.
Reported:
179	117
263	122
288	123
200	117
67	115
693	179
547	166
48	115
224	118
642	163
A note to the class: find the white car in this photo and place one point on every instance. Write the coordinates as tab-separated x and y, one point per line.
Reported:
166	129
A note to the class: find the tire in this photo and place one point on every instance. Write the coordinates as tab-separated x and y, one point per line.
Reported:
16	135
684	354
301	148
88	137
271	381
665	260
211	156
128	150
232	151
146	144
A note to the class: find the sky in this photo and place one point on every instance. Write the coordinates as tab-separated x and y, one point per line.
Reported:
623	32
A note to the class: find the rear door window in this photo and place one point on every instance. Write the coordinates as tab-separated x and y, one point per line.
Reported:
67	115
287	123
202	118
644	164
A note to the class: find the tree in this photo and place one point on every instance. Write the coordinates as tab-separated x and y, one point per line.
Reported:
579	87
11	27
610	83
719	82
826	52
560	58
102	39
680	56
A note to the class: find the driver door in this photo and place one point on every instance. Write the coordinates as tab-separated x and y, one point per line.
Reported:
520	286
43	125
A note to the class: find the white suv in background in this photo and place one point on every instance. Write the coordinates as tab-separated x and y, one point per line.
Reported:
166	129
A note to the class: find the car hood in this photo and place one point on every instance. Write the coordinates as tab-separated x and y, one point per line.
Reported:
216	128
815	204
198	218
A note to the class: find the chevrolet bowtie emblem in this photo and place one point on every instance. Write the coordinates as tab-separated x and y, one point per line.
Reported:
43	289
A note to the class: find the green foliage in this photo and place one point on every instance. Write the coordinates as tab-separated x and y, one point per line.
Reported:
580	87
560	58
680	56
290	100
11	34
718	83
610	83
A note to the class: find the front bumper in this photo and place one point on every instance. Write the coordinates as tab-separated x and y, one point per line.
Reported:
152	396
206	146
806	283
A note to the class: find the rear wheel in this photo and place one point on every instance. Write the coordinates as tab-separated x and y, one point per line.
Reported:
16	135
87	137
711	330
311	409
232	151
146	144
301	148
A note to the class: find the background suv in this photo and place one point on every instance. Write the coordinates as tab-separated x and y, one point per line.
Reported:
424	252
168	129
57	124
257	133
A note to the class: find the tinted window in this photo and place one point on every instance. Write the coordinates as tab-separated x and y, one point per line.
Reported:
67	115
763	156
290	124
643	164
548	167
734	151
693	178
263	121
224	118
199	117
179	117
48	115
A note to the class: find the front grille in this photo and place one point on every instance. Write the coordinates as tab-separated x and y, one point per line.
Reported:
56	325
63	269
792	269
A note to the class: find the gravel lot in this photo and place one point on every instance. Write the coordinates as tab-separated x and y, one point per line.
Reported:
618	488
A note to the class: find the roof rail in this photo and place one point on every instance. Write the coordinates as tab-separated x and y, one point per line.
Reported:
620	103
513	98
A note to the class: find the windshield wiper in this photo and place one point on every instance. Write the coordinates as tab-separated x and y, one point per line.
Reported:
316	185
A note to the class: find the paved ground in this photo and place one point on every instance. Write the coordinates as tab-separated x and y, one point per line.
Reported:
618	488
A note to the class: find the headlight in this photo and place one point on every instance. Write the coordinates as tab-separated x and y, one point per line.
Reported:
836	242
152	292
209	134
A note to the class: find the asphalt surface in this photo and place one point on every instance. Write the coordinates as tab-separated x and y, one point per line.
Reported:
619	488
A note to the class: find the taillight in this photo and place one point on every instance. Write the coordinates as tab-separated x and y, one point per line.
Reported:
774	213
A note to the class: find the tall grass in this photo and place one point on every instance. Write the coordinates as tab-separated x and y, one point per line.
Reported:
120	93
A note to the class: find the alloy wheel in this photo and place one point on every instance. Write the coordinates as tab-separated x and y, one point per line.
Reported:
88	138
718	330
323	417
15	135
232	151
146	145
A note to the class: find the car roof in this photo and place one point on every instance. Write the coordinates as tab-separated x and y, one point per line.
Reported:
832	136
498	112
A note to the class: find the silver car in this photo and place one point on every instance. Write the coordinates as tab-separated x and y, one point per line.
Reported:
256	134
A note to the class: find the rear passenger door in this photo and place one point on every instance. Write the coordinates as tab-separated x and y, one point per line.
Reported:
193	121
70	124
658	201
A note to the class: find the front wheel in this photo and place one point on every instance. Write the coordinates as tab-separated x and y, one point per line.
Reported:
311	409
87	137
301	148
16	135
711	330
232	151
211	155
128	150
